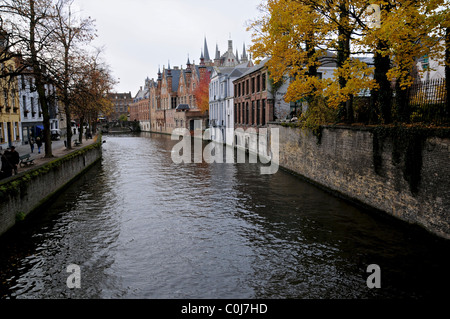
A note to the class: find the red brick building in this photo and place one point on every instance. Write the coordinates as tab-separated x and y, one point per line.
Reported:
140	108
172	102
253	101
120	101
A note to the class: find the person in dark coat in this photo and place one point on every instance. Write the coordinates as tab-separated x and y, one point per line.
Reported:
7	167
14	158
31	140
39	144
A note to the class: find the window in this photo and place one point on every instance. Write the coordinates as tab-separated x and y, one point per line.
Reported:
253	85
263	81
253	113
246	113
13	100
258	82
257	112
263	121
17	131
174	102
24	98
241	113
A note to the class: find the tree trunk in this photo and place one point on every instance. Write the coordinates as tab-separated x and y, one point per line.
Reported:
381	98
401	98
447	71
343	54
39	81
66	98
80	136
312	69
69	126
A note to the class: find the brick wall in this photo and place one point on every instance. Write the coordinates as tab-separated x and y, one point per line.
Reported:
347	162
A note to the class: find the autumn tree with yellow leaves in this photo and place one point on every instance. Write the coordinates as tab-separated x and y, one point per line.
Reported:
300	35
408	30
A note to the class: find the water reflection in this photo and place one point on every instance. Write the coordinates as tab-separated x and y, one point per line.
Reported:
141	226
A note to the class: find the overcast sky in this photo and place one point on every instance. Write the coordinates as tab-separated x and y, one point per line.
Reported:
141	35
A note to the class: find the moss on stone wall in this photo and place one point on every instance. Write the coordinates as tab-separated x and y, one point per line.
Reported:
407	146
18	185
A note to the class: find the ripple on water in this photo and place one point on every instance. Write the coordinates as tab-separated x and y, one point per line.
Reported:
141	226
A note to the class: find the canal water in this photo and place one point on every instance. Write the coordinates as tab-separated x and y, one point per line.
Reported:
140	226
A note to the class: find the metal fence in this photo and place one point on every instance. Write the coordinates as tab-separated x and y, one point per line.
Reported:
427	101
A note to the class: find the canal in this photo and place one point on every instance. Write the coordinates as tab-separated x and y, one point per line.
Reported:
140	226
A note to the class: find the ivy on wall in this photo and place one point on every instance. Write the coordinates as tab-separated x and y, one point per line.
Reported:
407	146
19	185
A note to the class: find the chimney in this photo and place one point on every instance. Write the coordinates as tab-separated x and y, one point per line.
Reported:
169	80
188	73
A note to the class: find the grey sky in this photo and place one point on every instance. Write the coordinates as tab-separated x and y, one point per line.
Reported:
141	35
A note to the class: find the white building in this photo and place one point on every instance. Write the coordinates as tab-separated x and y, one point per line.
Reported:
221	102
227	67
31	111
431	69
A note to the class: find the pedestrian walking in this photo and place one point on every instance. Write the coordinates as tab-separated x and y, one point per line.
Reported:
7	167
14	158
39	144
31	141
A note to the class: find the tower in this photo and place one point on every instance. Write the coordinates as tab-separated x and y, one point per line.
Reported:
244	57
206	52
217	57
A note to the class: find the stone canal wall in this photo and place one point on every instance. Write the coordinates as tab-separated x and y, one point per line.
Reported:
32	188
405	173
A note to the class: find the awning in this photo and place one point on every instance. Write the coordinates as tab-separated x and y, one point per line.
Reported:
183	107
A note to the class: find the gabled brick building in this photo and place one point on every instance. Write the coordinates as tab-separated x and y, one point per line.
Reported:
121	102
173	104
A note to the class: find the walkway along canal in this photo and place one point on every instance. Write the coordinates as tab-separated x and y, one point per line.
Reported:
140	226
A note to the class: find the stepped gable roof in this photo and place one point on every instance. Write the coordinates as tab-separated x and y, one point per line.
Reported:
209	68
175	74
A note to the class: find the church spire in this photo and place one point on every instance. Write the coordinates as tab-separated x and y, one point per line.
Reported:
202	59
205	49
217	53
188	65
244	57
